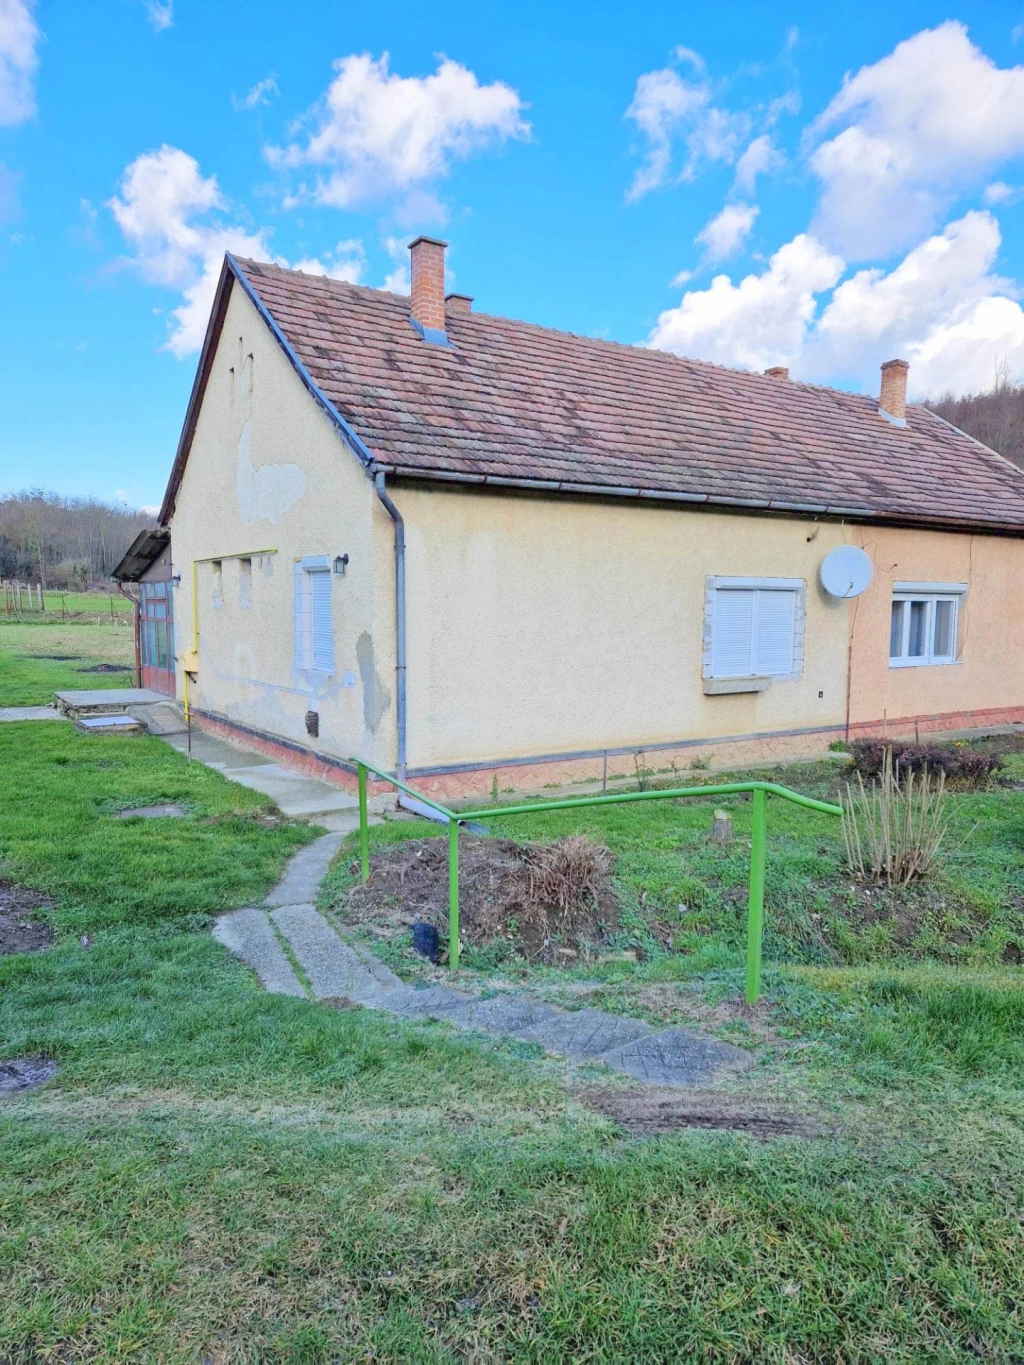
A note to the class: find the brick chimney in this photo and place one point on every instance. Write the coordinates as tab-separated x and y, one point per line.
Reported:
892	403
458	303
428	288
778	372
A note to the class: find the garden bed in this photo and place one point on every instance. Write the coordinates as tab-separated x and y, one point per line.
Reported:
546	903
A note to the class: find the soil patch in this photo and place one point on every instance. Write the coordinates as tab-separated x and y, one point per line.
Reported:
650	1112
24	1073
546	902
20	930
667	1002
104	668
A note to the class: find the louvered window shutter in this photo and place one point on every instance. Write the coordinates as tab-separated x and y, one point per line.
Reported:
732	633
775	615
320	619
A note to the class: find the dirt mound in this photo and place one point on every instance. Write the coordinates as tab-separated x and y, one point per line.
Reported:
20	931
546	902
650	1112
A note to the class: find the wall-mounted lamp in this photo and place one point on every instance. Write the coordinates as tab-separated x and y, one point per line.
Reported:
340	564
176	580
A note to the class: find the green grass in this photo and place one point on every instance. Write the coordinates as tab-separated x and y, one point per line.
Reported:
26	680
221	1174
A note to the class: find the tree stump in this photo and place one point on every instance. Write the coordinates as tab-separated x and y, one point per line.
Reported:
721	828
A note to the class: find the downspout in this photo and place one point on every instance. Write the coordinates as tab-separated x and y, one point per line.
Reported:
400	712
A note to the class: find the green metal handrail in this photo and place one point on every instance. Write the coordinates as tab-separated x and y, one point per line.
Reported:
758	842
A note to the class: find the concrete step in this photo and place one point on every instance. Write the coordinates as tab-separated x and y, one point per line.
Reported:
249	935
104	701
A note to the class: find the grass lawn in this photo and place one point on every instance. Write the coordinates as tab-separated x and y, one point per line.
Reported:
40	655
220	1174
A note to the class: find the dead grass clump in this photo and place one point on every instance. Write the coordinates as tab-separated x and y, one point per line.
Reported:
893	828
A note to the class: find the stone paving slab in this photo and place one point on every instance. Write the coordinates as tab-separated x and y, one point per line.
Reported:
505	1013
675	1056
585	1034
331	967
435	1002
305	871
248	934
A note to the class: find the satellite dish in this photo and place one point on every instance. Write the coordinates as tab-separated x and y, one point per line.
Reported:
846	571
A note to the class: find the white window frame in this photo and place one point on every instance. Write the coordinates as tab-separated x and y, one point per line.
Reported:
717	583
305	645
930	594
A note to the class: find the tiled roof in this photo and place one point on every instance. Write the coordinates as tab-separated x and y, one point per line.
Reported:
513	401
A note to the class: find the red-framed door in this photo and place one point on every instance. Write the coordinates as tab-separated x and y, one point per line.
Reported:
156	632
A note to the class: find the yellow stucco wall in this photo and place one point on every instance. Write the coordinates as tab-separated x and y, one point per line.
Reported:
268	471
989	674
542	626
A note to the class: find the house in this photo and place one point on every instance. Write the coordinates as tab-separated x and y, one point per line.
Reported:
475	550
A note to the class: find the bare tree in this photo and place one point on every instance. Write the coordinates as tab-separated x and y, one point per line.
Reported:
995	418
64	542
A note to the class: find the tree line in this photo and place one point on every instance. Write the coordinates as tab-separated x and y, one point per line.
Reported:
64	542
995	418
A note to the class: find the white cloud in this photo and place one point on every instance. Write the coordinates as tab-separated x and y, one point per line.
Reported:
761	321
346	262
163	209
727	231
376	134
942	308
997	193
19	61
921	126
760	158
258	96
160	14
666	105
397	280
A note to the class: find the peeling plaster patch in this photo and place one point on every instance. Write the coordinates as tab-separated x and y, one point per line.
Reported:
376	697
265	494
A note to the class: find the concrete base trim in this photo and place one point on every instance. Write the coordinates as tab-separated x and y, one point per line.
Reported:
579	765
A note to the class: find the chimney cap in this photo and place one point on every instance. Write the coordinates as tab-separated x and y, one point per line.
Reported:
895	364
778	372
430	241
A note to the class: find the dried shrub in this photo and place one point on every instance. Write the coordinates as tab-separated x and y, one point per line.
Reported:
894	827
962	768
565	879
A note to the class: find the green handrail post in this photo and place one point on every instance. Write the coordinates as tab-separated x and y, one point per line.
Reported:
453	894
364	827
755	915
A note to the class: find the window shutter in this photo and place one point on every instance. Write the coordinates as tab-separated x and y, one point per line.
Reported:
732	632
300	618
776	621
320	619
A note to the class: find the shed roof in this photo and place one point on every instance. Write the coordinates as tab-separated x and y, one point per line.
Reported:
513	403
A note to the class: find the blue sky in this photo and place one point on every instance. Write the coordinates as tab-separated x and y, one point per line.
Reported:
819	186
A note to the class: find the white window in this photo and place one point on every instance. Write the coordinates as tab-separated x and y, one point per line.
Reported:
754	628
314	629
923	624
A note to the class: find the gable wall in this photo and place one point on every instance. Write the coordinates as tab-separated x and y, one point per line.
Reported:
267	471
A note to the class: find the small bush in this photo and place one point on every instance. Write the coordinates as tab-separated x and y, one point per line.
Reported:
962	767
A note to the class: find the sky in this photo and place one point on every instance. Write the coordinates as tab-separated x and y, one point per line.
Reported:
818	186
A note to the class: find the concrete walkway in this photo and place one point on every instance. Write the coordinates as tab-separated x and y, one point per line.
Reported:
11	713
288	929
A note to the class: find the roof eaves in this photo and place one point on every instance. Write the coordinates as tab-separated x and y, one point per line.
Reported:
859	514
